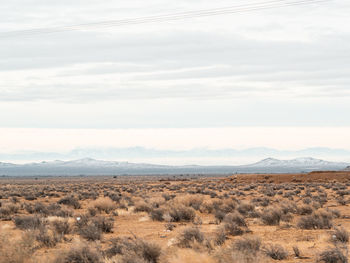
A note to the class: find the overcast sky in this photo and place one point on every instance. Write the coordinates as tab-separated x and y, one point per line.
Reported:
286	67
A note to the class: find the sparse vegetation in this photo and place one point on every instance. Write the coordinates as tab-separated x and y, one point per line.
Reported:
243	219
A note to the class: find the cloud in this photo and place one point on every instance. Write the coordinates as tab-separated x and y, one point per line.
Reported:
241	69
246	68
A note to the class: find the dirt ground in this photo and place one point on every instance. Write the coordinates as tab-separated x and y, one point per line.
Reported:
159	210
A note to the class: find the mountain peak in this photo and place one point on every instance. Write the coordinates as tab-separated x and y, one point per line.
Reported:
267	162
87	159
297	162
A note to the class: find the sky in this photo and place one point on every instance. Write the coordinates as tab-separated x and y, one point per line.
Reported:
216	82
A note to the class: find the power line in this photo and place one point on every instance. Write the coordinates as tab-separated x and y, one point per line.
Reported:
164	18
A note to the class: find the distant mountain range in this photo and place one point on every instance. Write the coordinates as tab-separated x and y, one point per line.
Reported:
89	166
141	152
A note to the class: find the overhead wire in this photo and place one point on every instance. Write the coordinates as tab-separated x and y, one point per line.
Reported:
163	18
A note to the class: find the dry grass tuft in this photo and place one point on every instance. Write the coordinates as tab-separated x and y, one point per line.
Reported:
79	253
191	256
104	204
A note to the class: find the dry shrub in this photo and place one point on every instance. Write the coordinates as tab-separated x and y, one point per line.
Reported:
118	246
92	211
220	237
82	220
332	255
63	212
61	226
271	216
70	201
79	254
7	210
166	197
207	207
231	228
46	237
156	202
248	245
288	207
276	252
219	215
90	232
133	250
233	254
340	235
194	201
104	204
30	197
123	204
317	220
52	209
37	208
157	214
229	205
28	222
305	209
335	213
181	213
142	207
188	236
236	218
148	250
197	221
296	251
342	201
246	208
191	256
104	224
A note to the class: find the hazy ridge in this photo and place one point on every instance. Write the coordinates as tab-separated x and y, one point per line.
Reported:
89	166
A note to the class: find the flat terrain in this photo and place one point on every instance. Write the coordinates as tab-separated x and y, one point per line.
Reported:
238	218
